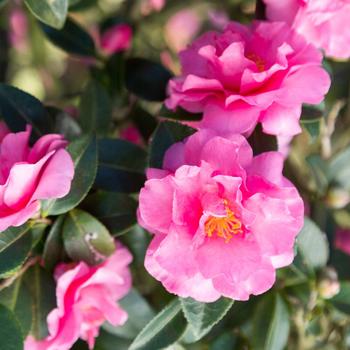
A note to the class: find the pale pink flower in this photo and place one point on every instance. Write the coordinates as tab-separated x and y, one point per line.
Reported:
117	38
29	174
86	297
322	22
223	220
245	75
181	28
342	240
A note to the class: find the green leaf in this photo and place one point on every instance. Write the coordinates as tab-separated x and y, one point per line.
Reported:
312	245
121	166
42	290
179	114
139	314
95	109
64	123
53	248
72	38
164	329
202	317
144	121
117	211
271	324
311	119
146	79
84	155
261	142
85	238
108	341
51	12
10	331
17	298
166	134
19	109
15	243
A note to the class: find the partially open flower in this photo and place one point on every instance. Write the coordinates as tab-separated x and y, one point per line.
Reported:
86	297
29	174
223	220
245	75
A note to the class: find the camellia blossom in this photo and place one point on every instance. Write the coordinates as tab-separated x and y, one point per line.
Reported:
322	22
117	38
342	240
29	174
86	297
249	74
223	220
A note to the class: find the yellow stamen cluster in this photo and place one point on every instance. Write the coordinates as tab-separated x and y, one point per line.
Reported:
224	227
260	63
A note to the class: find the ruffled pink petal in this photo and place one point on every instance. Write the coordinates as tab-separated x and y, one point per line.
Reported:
56	179
280	120
156	200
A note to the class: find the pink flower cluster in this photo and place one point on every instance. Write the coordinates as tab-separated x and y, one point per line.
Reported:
86	297
30	174
223	220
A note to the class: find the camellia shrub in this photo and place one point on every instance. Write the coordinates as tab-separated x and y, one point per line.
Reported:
174	174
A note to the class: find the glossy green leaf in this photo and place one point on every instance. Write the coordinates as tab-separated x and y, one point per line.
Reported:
72	38
179	114
312	245
51	12
166	134
261	142
117	211
139	314
121	166
15	243
85	238
84	155
146	79
311	119
145	122
319	171
10	331
271	324
164	329
95	109
53	248
43	294
17	298
202	317
64	123
20	109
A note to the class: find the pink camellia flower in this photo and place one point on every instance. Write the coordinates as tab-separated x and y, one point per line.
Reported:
245	75
86	298
342	240
223	220
322	22
29	174
117	38
181	28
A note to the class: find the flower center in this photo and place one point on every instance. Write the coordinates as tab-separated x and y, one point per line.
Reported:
224	227
259	62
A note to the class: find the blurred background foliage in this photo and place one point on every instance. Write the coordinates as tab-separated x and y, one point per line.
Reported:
87	91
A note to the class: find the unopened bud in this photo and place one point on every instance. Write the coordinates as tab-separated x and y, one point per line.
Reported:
337	198
328	284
